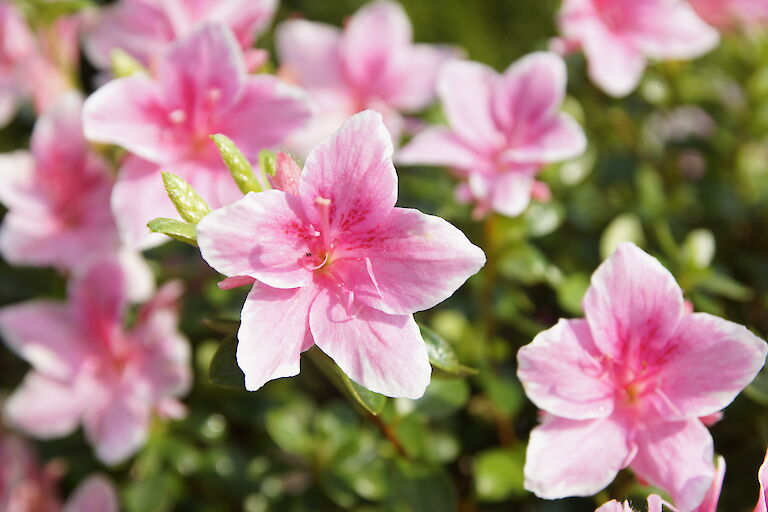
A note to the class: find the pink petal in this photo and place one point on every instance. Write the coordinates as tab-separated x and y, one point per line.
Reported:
574	457
713	494
353	169
45	335
556	139
530	93
510	191
204	71
119	427
267	112
246	18
677	457
137	198
438	145
129	112
270	350
372	43
57	140
272	224
615	506
562	373
44	407
384	353
633	303
95	494
17	188
309	54
670	29
615	64
466	90
762	477
230	283
413	262
419	75
709	362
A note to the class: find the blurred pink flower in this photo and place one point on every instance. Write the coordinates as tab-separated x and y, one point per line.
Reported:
57	195
201	88
339	266
88	369
27	487
654	505
372	63
502	129
731	14
39	66
619	36
145	28
762	478
626	386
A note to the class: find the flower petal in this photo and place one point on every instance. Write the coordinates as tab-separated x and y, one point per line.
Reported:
562	373
574	457
670	29
713	494
614	63
709	362
119	426
309	54
677	457
410	263
272	224
353	169
466	90
510	191
44	407
419	75
762	478
633	303
437	145
384	353
268	350
95	494
556	139
45	335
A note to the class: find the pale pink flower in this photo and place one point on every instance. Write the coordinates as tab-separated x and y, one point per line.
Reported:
731	14
338	266
25	486
57	195
626	386
762	478
502	129
201	88
88	369
371	63
16	45
654	505
619	36
145	28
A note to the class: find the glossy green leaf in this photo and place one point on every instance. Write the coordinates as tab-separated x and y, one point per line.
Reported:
176	229
224	370
188	202
499	474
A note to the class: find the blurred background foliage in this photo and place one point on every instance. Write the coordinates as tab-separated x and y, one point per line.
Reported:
680	167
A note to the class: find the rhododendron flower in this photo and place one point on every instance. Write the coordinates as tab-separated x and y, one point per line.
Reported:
619	36
27	487
40	66
57	195
730	14
626	386
145	28
502	129
201	88
338	266
372	63
87	368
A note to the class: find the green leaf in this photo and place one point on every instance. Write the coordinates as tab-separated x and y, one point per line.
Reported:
123	64
758	390
570	291
443	398
239	167
420	487
187	201
371	402
175	229
289	426
46	11
224	370
499	474
441	354
624	228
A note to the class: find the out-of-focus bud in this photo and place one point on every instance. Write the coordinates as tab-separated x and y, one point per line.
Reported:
123	64
186	199
238	165
287	173
699	248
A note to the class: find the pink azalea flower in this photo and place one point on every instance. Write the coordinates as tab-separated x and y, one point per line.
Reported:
145	28
27	487
654	505
502	129
201	88
730	14
762	477
16	45
57	195
338	266
88	369
372	63
626	386
619	36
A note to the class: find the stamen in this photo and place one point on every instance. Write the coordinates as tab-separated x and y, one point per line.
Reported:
369	267
324	205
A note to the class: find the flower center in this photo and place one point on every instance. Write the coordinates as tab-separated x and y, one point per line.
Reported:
318	255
